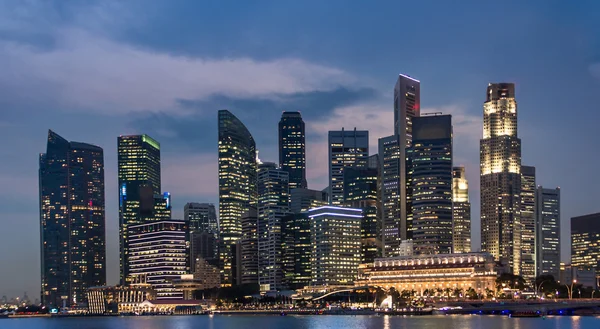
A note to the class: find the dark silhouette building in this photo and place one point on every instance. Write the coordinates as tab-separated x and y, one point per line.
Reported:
292	148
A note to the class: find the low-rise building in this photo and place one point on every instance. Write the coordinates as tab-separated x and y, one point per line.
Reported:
109	299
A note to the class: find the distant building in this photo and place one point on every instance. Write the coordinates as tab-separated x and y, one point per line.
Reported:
72	221
431	158
248	257
202	217
346	148
335	242
461	212
585	276
585	241
394	223
159	253
296	250
303	199
292	148
528	223
548	231
203	245
407	248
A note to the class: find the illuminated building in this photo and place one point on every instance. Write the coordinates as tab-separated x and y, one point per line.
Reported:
273	205
461	212
500	160
247	249
431	158
585	276
208	273
346	148
158	252
204	230
335	243
203	245
292	149
110	299
139	179
237	185
72	221
547	251
303	199
585	241
528	219
393	228
360	191
432	272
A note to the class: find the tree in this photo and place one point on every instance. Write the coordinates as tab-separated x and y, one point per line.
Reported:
471	293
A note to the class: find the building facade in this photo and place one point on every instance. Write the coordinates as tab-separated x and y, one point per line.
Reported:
585	241
202	217
547	251
237	185
203	245
346	148
158	254
292	148
461	212
139	182
303	199
335	243
528	223
394	226
296	250
247	256
72	221
431	158
500	159
107	299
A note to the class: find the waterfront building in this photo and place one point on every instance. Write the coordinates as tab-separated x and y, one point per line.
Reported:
431	158
110	299
432	272
528	224
247	261
461	212
237	185
158	252
547	229
139	181
500	160
296	250
292	148
346	148
585	241
585	276
273	205
335	243
72	221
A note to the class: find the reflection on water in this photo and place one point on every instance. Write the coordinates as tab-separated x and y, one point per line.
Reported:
305	322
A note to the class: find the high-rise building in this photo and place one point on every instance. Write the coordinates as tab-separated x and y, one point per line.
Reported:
461	212
247	246
500	160
303	199
237	185
292	148
547	230
296	250
158	253
335	242
203	245
393	228
585	241
139	182
72	221
273	205
431	158
528	225
201	216
346	148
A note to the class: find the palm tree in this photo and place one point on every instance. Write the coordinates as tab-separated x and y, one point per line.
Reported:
448	291
439	291
458	292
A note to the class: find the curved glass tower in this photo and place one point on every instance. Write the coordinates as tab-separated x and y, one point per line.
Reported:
237	186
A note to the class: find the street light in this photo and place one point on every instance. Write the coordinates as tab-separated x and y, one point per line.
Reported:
539	287
570	291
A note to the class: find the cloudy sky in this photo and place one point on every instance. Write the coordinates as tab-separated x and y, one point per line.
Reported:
94	70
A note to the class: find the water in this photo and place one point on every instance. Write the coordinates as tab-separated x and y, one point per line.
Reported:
304	322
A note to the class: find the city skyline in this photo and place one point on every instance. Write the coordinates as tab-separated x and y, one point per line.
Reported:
346	88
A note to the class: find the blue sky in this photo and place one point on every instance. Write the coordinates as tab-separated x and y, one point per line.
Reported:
94	70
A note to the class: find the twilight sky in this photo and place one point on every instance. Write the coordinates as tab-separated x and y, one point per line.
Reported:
94	70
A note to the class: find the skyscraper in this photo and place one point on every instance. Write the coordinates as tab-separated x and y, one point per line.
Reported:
201	216
139	179
431	158
237	185
547	230
72	221
247	249
273	205
500	159
346	148
461	212
585	241
292	148
528	223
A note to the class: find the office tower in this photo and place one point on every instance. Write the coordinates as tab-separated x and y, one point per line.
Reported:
303	199
237	185
292	148
139	179
394	226
248	258
158	253
547	231
201	216
273	205
528	219
346	148
431	158
203	245
72	221
296	250
585	241
500	160
461	212
407	100
360	192
335	242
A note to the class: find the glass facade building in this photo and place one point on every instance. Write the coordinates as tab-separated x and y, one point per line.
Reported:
346	148
72	221
461	212
547	230
528	223
585	241
292	148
